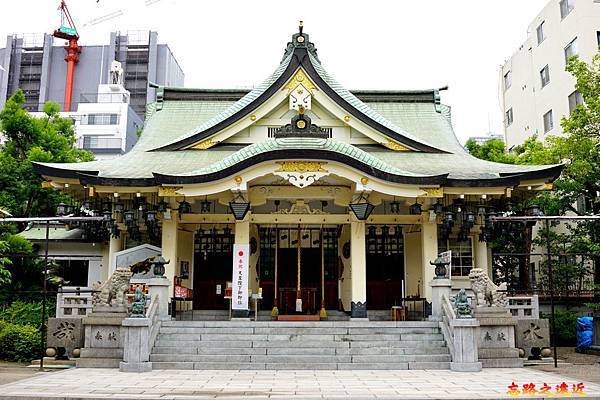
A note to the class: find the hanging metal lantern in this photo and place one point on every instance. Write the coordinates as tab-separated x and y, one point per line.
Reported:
150	217
438	207
106	206
414	209
107	216
395	207
119	207
88	204
362	210
205	205
398	231
470	218
61	209
184	207
449	217
129	217
162	206
227	231
239	209
509	205
534	210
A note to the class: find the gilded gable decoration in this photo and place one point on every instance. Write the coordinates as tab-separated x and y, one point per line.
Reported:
300	99
300	79
301	173
166	191
433	192
205	144
395	146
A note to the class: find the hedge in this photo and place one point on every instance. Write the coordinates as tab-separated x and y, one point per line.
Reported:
19	342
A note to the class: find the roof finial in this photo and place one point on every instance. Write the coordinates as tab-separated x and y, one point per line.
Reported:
300	26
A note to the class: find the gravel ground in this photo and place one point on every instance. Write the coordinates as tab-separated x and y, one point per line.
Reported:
575	365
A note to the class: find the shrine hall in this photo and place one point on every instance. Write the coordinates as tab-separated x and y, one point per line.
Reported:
299	197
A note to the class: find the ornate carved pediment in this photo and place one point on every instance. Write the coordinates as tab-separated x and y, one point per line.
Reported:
301	126
301	173
300	207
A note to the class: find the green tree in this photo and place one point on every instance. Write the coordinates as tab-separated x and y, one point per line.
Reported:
491	150
28	139
47	139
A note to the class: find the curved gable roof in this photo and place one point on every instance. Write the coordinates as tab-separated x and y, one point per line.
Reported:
299	55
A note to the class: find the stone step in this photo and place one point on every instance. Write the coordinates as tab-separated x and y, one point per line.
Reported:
215	351
301	337
162	342
308	359
302	324
297	330
415	344
301	350
299	366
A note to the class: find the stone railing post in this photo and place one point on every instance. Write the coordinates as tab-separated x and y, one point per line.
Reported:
136	349
465	357
160	287
439	288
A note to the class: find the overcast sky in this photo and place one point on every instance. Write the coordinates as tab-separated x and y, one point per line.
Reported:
375	44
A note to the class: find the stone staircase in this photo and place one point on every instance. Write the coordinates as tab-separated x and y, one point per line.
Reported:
332	345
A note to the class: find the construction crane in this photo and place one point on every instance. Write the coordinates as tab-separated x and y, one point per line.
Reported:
68	32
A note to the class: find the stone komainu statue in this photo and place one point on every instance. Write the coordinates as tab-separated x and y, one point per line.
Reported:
114	289
486	292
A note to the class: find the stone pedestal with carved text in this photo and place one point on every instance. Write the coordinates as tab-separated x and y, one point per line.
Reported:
496	338
103	343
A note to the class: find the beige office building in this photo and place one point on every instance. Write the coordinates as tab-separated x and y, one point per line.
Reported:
535	89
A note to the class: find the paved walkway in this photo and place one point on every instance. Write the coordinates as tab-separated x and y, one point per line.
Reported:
109	383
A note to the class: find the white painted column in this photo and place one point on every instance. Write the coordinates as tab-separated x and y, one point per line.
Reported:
169	246
358	258
429	252
114	245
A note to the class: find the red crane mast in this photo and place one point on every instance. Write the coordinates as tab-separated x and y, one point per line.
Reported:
68	32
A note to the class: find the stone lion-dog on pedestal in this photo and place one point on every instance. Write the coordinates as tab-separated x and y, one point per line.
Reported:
486	292
114	288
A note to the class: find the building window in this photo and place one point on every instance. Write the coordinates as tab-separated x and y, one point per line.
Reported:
507	80
540	33
509	117
545	76
566	6
100	119
548	122
575	99
462	255
571	50
90	142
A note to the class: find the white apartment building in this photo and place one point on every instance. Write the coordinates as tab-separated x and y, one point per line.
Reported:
105	122
535	90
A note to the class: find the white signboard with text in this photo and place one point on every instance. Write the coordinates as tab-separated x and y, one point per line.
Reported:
241	259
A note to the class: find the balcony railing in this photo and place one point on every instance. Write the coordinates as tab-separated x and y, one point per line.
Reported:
95	143
103	98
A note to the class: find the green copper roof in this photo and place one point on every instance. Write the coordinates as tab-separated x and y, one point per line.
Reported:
301	143
235	107
360	106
